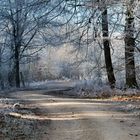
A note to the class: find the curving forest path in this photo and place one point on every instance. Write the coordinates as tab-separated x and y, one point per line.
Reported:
58	117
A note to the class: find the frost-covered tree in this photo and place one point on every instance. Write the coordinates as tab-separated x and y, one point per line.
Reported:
91	18
106	43
23	21
130	45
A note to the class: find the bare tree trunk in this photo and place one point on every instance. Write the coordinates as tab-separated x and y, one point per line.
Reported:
22	79
107	53
17	74
130	49
17	41
1	77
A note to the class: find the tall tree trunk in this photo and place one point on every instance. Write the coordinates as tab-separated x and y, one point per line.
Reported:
17	40
22	79
107	53
17	73
130	49
1	77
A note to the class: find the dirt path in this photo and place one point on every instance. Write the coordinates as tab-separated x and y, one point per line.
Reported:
76	119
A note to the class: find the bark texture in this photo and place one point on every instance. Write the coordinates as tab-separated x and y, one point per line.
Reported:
130	49
107	53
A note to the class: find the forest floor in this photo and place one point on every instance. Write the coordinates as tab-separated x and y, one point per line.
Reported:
37	115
